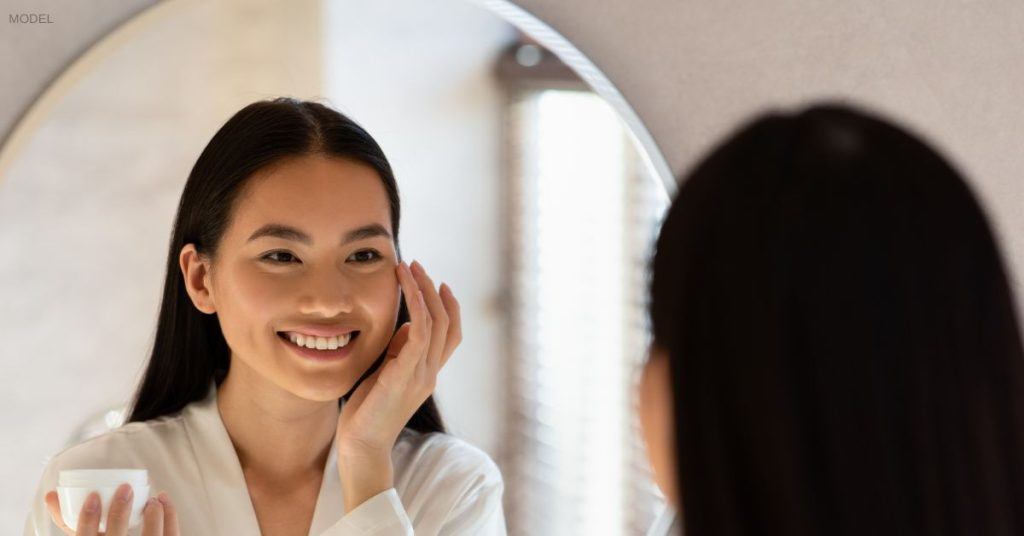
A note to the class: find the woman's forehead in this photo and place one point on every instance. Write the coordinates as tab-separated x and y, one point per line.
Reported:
315	193
303	176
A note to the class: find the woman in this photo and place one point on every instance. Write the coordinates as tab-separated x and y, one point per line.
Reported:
835	348
288	391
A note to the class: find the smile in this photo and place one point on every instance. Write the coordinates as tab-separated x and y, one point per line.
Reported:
318	343
319	348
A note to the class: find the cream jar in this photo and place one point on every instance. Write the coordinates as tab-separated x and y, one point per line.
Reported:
73	486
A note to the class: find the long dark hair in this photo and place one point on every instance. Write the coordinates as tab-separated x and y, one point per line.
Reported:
843	343
189	349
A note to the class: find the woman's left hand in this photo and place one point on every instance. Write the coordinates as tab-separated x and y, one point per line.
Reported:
376	412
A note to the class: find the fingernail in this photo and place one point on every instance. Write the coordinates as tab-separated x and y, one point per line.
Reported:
152	502
92	503
417	265
445	287
163	498
124	493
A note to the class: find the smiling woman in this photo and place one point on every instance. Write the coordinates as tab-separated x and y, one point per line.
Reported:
288	278
288	391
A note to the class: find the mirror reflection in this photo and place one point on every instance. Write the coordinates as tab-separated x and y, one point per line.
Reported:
521	189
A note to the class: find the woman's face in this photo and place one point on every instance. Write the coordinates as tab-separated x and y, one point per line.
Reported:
656	421
336	271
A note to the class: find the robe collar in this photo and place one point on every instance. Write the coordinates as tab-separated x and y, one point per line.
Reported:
231	508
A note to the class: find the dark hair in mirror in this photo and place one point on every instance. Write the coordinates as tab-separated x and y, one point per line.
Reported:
842	337
189	349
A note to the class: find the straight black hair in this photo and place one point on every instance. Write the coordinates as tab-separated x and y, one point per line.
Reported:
189	349
843	342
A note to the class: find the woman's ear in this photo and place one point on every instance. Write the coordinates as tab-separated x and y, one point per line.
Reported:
195	269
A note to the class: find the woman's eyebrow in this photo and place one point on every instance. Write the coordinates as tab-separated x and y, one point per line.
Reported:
287	232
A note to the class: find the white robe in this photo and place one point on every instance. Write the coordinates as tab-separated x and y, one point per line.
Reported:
443	485
666	524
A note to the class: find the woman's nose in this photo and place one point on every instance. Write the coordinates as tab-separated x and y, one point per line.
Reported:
327	294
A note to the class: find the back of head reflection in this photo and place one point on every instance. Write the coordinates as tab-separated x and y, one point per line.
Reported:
835	343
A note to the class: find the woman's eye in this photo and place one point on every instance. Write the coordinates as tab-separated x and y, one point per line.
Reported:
364	256
283	259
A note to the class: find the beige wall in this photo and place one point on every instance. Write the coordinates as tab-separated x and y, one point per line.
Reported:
951	69
32	55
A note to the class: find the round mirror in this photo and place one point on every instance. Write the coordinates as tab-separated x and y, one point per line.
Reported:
527	183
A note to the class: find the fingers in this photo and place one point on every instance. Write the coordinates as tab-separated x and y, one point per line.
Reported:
53	505
398	340
454	322
171	527
153	518
159	517
120	511
419	330
438	316
89	518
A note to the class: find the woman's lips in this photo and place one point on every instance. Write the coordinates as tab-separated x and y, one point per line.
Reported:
319	355
321	331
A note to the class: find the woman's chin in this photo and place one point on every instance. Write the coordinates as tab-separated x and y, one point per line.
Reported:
321	389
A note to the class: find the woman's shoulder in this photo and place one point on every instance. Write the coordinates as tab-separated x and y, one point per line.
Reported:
132	445
122	444
447	458
138	445
444	481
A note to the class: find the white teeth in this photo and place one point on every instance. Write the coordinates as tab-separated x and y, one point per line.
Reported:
320	343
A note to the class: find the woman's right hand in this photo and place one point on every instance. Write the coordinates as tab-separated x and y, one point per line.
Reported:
159	518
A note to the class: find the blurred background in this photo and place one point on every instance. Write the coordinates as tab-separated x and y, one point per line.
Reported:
521	187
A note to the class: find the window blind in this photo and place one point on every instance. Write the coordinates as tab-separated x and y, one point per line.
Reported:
581	214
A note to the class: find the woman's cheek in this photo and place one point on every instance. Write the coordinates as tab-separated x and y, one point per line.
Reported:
242	299
251	284
385	295
381	302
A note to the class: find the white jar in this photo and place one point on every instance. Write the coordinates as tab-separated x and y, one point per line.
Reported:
73	486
